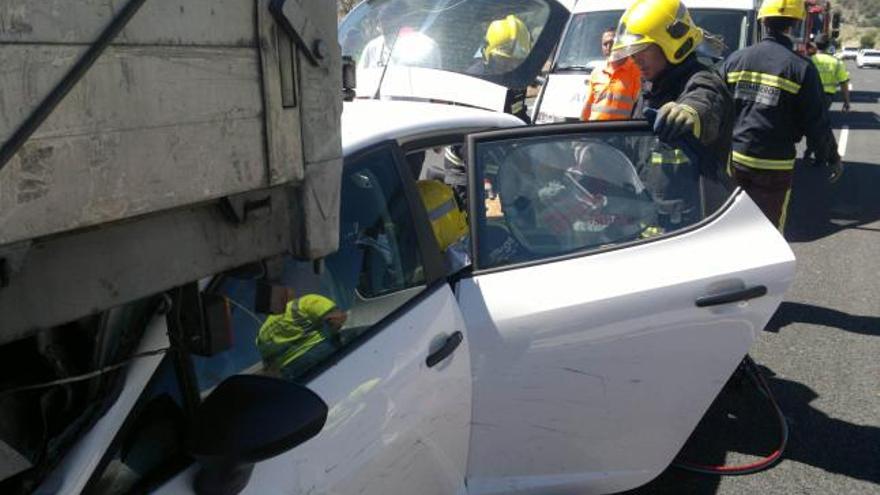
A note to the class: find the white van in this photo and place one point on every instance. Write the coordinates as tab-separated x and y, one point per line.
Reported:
562	96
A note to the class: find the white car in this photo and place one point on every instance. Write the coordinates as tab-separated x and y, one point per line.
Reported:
847	53
868	58
601	316
562	96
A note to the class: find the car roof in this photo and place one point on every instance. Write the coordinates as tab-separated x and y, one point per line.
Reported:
368	122
599	5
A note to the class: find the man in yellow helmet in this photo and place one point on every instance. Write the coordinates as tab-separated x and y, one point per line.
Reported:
691	99
778	97
506	45
305	334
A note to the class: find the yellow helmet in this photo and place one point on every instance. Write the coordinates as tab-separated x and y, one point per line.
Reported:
448	222
665	23
315	306
793	9
508	38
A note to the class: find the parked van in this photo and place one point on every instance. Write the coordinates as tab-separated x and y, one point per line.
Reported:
563	93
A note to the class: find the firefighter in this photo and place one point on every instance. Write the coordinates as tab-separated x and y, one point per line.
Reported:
507	45
690	99
833	74
612	89
448	222
778	97
307	332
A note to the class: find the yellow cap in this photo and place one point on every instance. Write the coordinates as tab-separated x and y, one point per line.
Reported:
508	38
793	9
665	23
315	306
448	222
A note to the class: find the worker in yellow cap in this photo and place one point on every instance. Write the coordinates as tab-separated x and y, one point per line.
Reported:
306	333
779	99
691	99
506	45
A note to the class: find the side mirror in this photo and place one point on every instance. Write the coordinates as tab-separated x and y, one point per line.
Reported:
247	419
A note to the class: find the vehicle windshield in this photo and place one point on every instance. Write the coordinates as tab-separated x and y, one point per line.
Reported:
581	47
484	38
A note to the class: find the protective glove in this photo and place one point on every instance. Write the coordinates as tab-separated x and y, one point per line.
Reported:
836	167
675	120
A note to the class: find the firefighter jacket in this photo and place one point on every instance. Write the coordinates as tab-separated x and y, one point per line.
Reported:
612	91
778	98
670	177
832	72
693	84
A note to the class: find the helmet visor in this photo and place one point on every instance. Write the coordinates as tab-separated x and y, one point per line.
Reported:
627	45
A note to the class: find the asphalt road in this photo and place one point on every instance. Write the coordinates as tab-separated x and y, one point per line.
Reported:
822	347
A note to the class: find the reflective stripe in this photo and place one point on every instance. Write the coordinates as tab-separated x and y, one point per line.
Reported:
441	210
764	79
763	163
784	214
622	99
670	157
611	110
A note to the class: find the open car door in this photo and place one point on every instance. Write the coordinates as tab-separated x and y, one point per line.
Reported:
613	295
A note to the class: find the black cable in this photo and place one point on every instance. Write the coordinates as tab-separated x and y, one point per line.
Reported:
85	376
85	62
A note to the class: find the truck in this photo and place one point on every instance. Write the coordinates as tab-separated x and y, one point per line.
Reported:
563	93
145	145
819	19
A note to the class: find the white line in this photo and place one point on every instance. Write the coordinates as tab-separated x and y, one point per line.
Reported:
841	143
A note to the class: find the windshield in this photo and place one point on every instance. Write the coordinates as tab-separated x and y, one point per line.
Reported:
485	38
582	44
581	48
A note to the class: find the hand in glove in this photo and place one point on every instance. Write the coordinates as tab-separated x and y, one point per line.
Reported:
836	167
675	120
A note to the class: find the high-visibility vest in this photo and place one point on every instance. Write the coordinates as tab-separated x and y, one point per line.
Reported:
612	92
831	71
286	338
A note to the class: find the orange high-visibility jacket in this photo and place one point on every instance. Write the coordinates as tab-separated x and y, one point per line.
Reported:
612	92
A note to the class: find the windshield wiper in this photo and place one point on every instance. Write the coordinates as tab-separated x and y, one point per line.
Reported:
587	68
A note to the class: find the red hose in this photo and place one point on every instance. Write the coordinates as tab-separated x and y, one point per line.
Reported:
752	371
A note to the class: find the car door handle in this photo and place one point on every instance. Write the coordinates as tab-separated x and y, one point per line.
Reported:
731	296
452	342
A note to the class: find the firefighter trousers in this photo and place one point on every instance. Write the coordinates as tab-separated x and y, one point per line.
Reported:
769	189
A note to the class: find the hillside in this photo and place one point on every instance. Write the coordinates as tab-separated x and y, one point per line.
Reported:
860	22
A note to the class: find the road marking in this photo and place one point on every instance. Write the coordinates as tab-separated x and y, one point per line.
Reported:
841	144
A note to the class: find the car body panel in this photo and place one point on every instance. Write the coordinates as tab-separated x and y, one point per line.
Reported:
394	426
591	372
369	122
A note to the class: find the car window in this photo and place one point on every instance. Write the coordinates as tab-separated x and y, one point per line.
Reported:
291	322
552	196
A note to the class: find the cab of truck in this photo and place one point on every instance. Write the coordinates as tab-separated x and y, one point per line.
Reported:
563	93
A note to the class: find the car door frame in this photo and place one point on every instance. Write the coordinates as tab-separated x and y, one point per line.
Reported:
435	278
514	328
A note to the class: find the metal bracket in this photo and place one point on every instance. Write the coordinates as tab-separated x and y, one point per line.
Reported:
295	19
239	207
11	260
